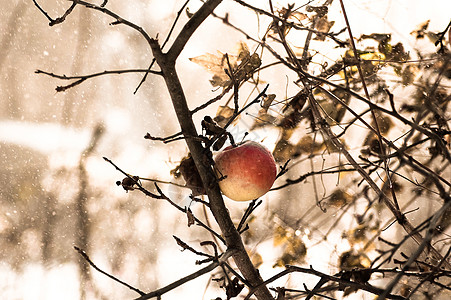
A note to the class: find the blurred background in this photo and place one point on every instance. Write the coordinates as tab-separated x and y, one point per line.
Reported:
56	191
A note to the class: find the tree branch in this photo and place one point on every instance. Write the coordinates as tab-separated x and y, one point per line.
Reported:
203	164
175	284
189	28
199	153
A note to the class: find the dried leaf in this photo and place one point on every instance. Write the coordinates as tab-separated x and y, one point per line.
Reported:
223	115
331	146
308	146
213	63
190	174
384	121
210	126
191	219
216	64
351	260
267	101
291	120
234	288
420	31
380	37
284	151
398	53
409	74
295	251
298	16
257	259
331	109
242	65
339	198
243	51
320	11
323	25
297	102
357	234
219	81
263	119
280	236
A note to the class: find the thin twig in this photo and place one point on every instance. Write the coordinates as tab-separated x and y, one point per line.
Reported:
157	293
382	148
91	263
163	45
82	78
412	258
58	20
161	195
291	269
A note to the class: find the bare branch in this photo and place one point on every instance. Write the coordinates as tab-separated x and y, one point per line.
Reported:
189	28
90	262
58	20
157	293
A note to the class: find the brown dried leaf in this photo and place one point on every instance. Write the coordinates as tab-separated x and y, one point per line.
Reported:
284	151
234	288
298	16
323	25
339	198
291	120
295	251
320	11
331	146
357	234
242	65
190	174
191	219
257	259
420	31
280	236
351	260
408	74
263	119
223	115
243	51
308	146
297	102
267	101
215	64
384	121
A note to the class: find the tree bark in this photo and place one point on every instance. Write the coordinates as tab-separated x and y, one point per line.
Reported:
202	162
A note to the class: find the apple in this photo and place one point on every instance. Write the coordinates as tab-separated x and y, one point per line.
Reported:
246	171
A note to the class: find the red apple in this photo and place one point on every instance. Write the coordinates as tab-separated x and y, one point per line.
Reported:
246	171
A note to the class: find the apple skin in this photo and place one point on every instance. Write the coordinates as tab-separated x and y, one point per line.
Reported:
249	170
